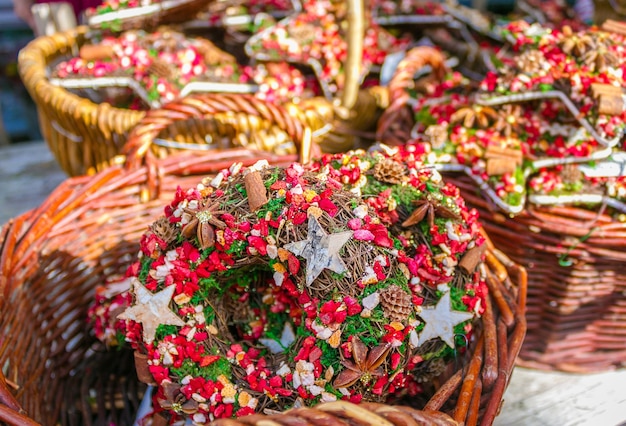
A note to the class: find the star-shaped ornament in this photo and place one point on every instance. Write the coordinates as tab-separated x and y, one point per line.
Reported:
279	346
151	310
321	250
440	321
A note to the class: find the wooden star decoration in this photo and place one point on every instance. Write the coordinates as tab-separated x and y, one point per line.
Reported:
151	310
321	250
440	321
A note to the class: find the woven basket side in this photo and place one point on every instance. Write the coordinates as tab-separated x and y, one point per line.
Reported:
224	115
82	135
394	126
576	309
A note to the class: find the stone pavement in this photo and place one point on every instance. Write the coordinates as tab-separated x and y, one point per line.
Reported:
28	173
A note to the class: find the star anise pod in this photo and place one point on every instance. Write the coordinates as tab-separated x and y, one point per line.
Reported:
175	400
202	224
600	58
510	120
475	114
576	44
366	364
428	207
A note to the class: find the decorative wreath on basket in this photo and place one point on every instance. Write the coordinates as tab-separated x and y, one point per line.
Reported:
546	128
353	278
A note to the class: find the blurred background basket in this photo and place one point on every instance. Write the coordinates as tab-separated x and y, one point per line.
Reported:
146	16
82	135
52	258
576	310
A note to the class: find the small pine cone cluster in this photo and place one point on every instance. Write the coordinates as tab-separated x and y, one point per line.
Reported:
571	173
430	369
161	69
389	171
163	229
396	303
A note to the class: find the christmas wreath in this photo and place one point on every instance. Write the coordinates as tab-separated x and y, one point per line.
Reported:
353	278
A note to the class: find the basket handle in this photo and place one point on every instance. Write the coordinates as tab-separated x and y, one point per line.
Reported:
206	105
396	114
355	35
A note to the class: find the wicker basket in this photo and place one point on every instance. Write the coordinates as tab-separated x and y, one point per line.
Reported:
83	136
349	120
53	257
576	310
213	123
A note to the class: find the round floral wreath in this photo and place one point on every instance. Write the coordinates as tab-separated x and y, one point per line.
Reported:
355	278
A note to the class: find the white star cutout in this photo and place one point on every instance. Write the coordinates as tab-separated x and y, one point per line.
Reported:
321	250
440	321
151	310
286	339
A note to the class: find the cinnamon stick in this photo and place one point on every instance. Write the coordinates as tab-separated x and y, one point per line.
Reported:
598	89
143	370
500	165
255	188
614	27
95	52
472	258
495	151
610	104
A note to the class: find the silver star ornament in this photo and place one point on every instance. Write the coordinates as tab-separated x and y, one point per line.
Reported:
321	250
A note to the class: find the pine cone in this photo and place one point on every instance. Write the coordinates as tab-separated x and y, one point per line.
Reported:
161	69
428	370
396	303
571	173
531	62
389	171
163	229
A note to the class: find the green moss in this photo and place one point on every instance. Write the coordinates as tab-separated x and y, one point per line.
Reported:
164	330
237	248
274	205
210	372
146	264
368	330
330	355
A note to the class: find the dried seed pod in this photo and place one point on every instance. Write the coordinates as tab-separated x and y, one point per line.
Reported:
163	229
428	370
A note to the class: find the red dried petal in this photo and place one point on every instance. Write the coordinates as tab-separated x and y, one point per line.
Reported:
293	264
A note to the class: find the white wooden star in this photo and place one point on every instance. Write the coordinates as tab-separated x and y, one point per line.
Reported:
151	310
440	321
286	339
321	250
